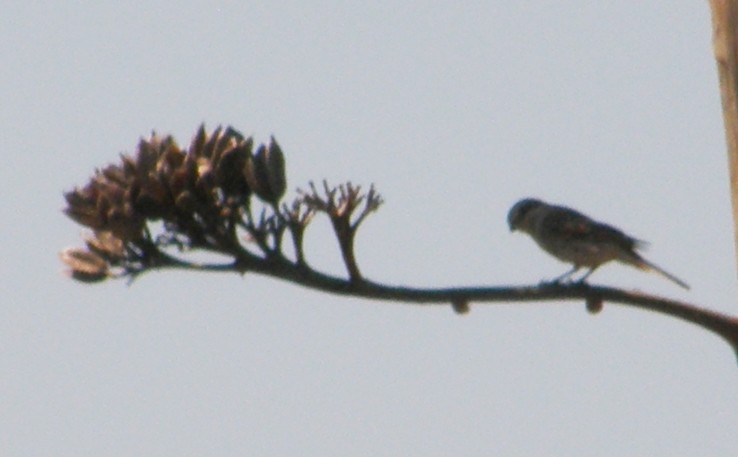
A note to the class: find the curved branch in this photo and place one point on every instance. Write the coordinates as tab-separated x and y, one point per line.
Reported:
723	325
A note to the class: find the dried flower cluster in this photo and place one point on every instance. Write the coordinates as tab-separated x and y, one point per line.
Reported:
202	196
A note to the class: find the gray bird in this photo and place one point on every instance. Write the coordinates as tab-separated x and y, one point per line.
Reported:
574	238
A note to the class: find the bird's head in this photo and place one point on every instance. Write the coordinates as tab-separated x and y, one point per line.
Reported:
517	218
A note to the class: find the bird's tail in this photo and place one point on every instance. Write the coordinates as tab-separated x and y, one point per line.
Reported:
644	264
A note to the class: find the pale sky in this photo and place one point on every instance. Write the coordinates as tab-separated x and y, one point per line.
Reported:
454	111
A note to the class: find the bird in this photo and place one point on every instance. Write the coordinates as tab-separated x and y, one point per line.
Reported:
575	238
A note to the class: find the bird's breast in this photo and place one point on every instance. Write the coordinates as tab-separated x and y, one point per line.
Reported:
580	253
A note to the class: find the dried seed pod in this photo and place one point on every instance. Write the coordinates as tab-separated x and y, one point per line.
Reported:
82	207
148	155
106	245
256	174
116	174
221	143
149	198
169	160
205	178
275	167
84	265
183	178
229	172
209	146
198	143
265	172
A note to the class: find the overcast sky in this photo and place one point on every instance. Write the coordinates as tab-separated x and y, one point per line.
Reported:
454	111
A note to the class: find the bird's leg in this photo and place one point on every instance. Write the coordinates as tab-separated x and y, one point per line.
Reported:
560	279
586	275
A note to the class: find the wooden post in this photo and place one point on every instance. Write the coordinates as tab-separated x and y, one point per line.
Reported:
725	46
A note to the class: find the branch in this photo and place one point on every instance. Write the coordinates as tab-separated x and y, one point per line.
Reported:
723	325
220	196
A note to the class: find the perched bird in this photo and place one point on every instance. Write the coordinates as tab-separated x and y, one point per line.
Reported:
575	238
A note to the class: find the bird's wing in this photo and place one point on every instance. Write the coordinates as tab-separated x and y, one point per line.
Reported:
575	226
